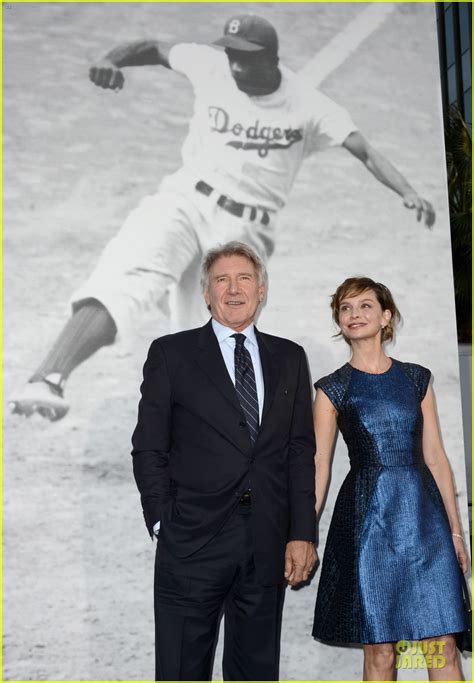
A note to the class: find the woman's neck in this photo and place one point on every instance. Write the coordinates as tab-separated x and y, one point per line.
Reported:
368	355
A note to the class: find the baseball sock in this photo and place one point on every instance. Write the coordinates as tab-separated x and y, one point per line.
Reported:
90	327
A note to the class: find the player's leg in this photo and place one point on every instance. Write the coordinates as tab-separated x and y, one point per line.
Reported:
90	328
153	248
187	306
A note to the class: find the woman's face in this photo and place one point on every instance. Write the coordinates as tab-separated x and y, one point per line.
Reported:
361	316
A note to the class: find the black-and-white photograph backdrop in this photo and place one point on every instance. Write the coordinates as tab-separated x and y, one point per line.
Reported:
78	159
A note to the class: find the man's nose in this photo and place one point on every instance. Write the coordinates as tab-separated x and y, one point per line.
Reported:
233	286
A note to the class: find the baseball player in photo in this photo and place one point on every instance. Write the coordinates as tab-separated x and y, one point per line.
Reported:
254	123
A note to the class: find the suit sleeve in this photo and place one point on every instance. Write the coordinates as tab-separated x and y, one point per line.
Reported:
302	447
151	439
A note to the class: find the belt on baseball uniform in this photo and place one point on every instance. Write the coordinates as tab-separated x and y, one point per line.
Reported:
233	207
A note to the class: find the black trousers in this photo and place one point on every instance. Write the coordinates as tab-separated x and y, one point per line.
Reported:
190	595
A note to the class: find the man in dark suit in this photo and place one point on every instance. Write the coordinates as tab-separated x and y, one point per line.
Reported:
223	457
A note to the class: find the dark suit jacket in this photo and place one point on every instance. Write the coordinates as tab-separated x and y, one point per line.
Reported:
192	454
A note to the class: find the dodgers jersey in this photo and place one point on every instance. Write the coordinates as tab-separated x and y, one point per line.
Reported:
251	147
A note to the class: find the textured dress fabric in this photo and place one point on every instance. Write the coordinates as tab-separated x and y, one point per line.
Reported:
389	570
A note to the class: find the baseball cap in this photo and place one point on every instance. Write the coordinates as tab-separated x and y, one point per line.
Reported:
249	33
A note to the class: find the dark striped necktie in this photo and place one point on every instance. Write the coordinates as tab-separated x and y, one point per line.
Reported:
245	385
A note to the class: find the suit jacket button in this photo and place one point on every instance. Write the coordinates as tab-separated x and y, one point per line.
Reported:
242	423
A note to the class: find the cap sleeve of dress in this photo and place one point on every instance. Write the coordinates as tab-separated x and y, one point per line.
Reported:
335	385
420	378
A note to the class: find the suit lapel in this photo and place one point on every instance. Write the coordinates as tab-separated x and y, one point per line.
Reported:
270	370
211	361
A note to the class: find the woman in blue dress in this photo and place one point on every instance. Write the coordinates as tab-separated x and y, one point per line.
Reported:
395	551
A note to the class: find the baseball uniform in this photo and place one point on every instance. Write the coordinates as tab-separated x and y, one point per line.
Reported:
240	159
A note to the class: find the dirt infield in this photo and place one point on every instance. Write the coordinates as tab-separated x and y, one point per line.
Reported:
77	561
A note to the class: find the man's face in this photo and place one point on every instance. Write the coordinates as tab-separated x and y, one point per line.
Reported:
233	292
255	73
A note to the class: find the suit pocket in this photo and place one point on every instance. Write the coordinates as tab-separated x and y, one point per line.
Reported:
167	512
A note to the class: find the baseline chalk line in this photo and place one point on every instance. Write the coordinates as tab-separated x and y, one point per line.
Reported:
342	45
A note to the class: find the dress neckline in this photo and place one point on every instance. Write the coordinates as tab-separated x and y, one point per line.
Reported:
374	374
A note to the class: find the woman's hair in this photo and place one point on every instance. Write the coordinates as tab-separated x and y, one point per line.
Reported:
356	285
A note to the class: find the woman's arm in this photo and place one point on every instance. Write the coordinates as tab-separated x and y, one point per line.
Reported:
437	461
324	416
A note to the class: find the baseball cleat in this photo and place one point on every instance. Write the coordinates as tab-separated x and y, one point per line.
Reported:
42	398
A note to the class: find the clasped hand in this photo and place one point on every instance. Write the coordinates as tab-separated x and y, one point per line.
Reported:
300	559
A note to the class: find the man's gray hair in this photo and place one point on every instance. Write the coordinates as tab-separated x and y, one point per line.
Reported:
233	248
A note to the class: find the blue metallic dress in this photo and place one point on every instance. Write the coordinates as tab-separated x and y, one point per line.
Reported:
389	571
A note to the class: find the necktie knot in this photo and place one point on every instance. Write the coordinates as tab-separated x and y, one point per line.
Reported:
239	340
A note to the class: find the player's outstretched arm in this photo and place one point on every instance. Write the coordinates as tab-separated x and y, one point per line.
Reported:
107	72
387	174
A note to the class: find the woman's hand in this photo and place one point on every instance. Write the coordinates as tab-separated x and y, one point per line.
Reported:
461	553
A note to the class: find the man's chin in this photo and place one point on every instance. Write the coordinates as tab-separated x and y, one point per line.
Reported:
236	323
251	88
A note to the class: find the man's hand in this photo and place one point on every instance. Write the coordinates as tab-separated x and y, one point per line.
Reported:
300	558
106	75
423	208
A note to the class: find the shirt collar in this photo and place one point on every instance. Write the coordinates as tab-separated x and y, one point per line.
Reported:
222	332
